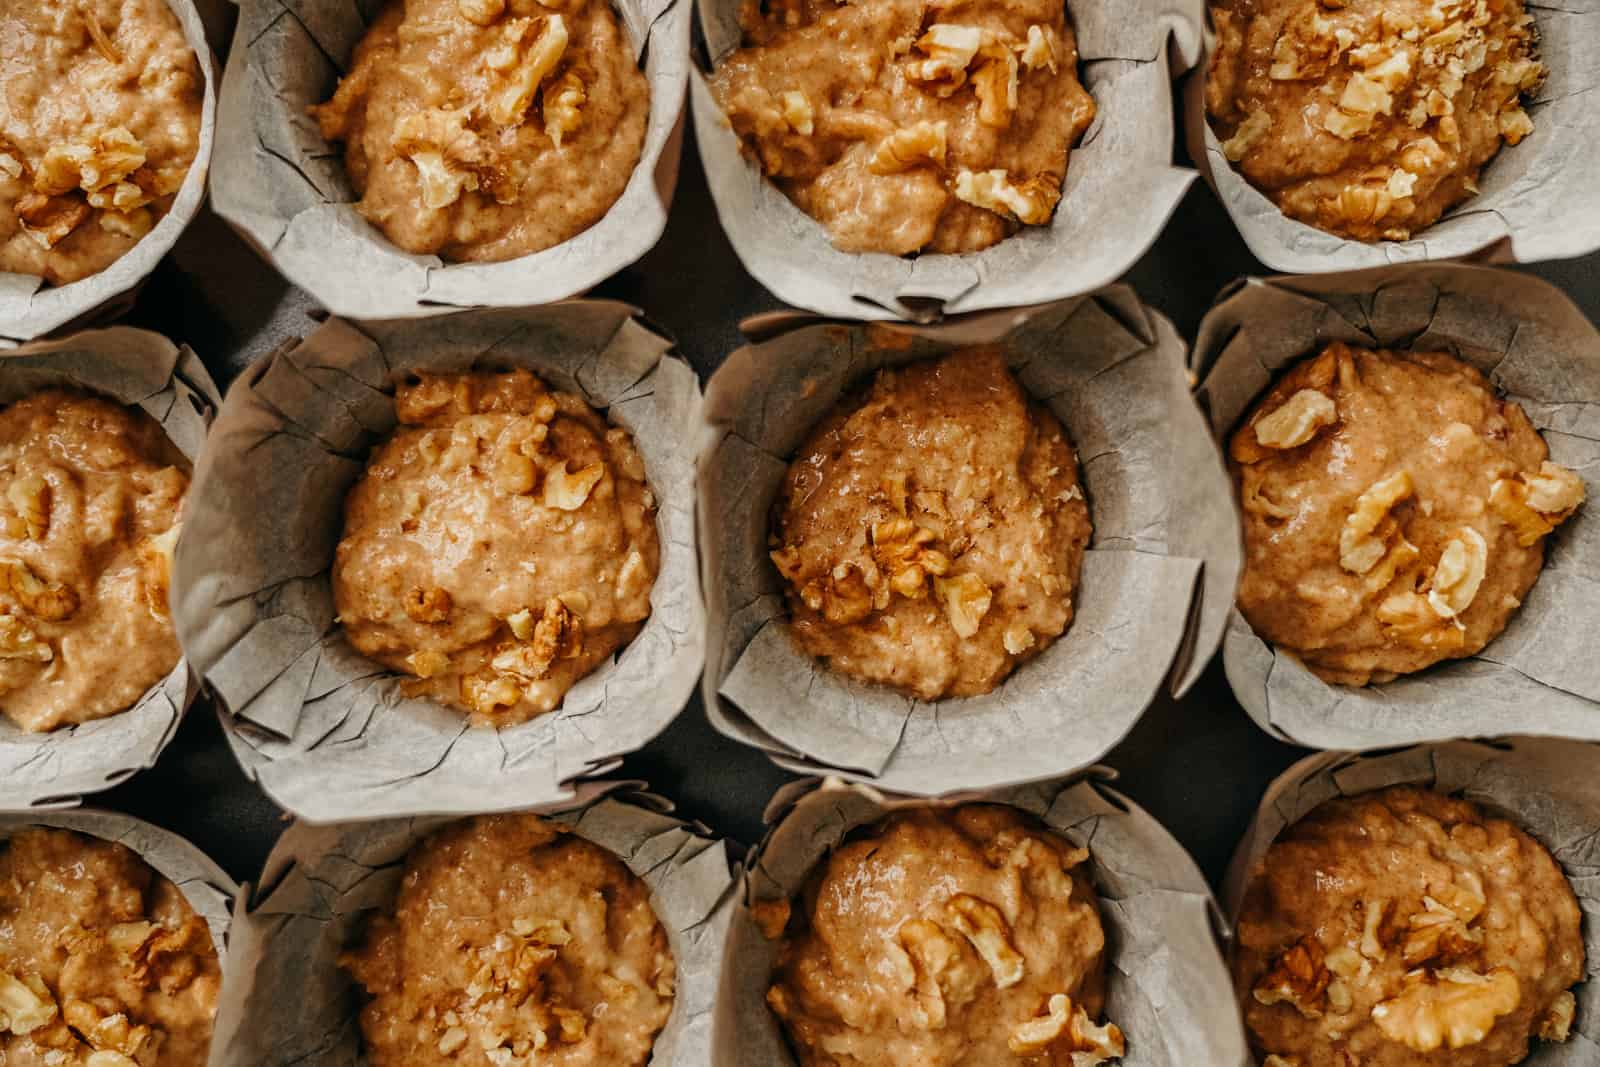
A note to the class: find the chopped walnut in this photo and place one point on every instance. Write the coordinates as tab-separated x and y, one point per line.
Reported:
797	112
1359	549
902	550
427	663
557	635
1032	202
902	150
1557	1024
1297	420
111	1034
634	576
1460	572
1039	50
427	605
1068	1026
441	185
1037	1034
982	924
566	491
49	219
966	601
133	224
104	159
1298	977
1533	506
950	50
1440	932
1453	1007
1251	130
510	104
25	1003
481	12
562	103
30	495
940	976
50	601
995	84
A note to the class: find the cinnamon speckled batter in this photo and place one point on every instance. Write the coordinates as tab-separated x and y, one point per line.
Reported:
513	944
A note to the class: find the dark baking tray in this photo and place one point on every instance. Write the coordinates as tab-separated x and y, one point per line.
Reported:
1199	764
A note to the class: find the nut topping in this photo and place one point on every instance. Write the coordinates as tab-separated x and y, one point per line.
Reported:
982	924
1460	571
1297	420
1451	1008
1359	549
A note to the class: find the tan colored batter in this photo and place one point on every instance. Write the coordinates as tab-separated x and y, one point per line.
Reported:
906	125
103	963
1405	928
1369	118
501	545
930	530
514	944
489	129
1395	512
90	497
99	122
944	937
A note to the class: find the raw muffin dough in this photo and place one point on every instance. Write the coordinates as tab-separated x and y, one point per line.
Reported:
1405	928
1369	118
940	937
909	124
103	963
1394	512
929	531
99	122
513	943
487	129
501	545
90	496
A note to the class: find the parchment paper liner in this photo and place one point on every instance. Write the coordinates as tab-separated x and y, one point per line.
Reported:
327	732
206	887
286	1002
30	309
1547	787
1167	986
1120	187
142	369
285	190
1111	369
1538	677
1539	199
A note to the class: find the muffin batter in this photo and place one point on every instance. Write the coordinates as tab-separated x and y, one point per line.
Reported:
103	963
909	124
90	495
1405	928
500	546
930	530
940	937
99	122
513	943
489	129
1394	512
1369	118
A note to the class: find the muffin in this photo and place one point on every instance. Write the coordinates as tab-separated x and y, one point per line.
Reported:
500	545
90	499
103	963
1395	512
1405	928
513	942
1369	118
930	530
907	125
483	130
100	107
944	936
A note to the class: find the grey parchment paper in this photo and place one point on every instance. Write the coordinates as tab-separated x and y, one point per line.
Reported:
1547	787
203	884
328	732
1167	986
285	190
1540	676
1156	587
145	370
29	308
1539	199
1120	186
285	1001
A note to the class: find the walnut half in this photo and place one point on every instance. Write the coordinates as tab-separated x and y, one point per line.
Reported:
1454	1007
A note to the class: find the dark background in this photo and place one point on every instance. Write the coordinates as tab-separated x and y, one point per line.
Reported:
1199	765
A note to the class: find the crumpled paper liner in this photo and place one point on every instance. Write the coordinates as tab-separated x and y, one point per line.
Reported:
1539	199
1157	582
136	368
1540	676
1167	987
1547	787
206	887
1120	189
327	732
285	190
30	309
285	1001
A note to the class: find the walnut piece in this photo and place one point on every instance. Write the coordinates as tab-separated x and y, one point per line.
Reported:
566	491
903	552
25	1003
1557	1024
1039	50
1460	572
50	601
1453	1007
906	148
995	84
940	975
102	159
1359	549
1533	506
49	219
30	495
557	635
481	12
510	104
562	102
950	50
966	601
1438	931
797	112
1251	130
982	924
1067	1025
1297	420
427	605
1298	977
1031	202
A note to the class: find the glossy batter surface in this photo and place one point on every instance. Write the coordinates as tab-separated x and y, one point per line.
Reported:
514	944
100	106
489	129
1395	512
103	963
500	546
1405	928
930	530
908	124
90	497
942	937
1369	118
